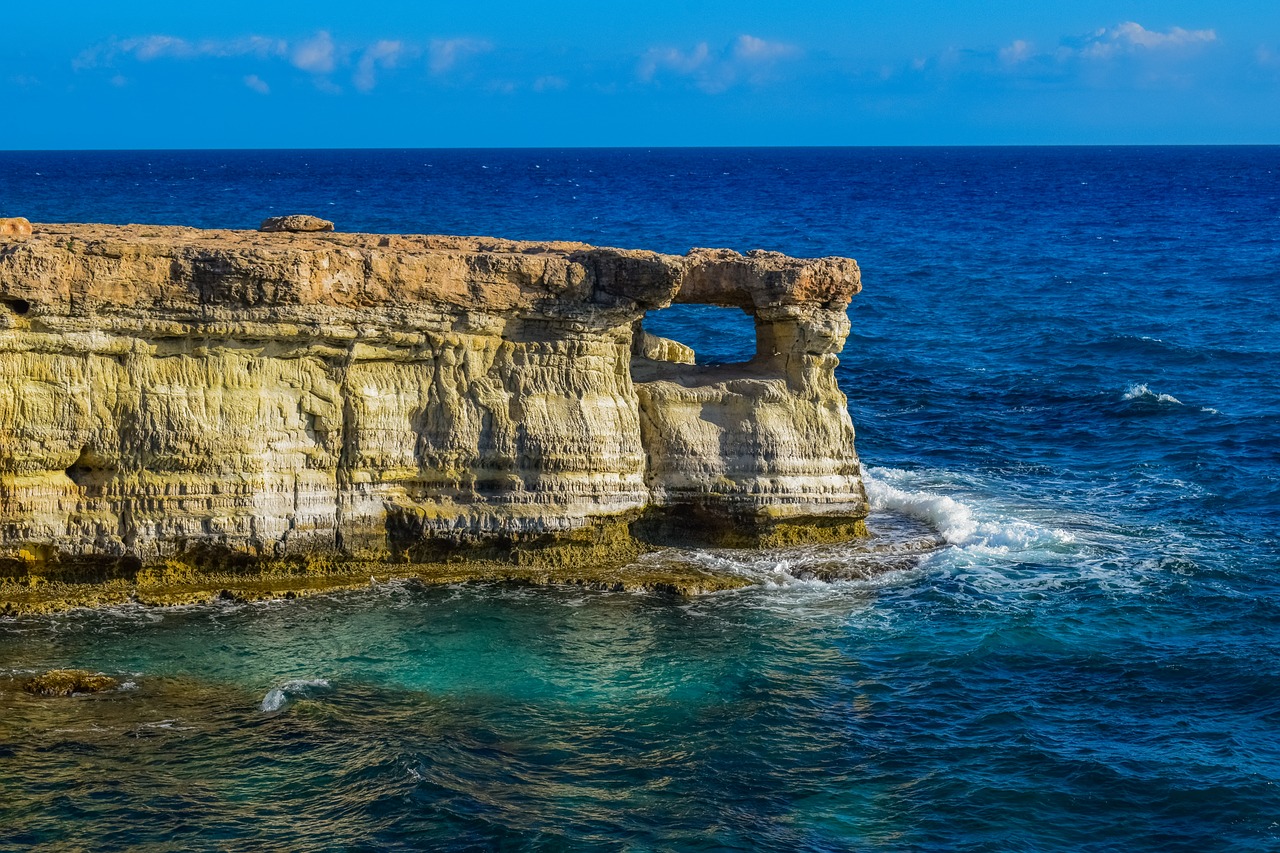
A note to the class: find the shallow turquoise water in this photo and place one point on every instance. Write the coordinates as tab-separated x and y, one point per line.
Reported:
918	709
1064	361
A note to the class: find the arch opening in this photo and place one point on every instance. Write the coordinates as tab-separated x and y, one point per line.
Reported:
716	335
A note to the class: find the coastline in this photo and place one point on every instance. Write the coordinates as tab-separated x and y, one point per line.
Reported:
47	597
894	542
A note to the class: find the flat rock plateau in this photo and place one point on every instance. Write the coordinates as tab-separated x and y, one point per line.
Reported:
190	413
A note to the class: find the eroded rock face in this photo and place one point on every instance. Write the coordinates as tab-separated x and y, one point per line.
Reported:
768	444
167	393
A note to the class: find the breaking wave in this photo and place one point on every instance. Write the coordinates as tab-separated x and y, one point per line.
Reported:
278	697
1142	391
956	521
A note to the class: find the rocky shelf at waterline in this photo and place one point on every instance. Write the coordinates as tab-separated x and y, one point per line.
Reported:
180	402
267	583
896	542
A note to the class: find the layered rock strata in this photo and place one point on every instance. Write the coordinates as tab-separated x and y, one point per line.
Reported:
210	398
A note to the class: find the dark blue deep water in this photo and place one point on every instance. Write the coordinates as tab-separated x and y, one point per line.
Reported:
1064	359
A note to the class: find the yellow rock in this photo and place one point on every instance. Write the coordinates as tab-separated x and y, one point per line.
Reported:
176	402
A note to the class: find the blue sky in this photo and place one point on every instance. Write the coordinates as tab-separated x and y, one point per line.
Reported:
487	73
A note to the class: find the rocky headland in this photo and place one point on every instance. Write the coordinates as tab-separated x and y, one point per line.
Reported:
186	412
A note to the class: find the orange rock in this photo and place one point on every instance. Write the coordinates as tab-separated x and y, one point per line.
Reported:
14	226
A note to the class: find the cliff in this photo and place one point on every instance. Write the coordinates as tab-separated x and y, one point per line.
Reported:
174	396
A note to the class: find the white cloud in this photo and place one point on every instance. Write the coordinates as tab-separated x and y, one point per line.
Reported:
384	54
752	49
1131	37
315	55
550	83
746	58
160	46
1154	53
444	54
319	55
658	59
1127	54
165	47
257	84
1017	52
259	46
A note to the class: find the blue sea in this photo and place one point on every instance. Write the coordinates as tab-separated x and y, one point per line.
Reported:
1066	361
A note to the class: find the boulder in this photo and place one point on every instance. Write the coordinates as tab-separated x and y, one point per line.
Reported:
295	223
14	226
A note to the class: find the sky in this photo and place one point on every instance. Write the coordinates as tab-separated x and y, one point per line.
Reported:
483	73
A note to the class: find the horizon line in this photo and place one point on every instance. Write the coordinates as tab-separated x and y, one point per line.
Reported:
656	147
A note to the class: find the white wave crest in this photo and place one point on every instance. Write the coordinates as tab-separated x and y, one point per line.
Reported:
1137	391
278	697
956	521
951	518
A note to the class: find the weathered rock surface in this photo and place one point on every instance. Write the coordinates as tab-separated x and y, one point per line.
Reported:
296	222
14	226
770	439
173	398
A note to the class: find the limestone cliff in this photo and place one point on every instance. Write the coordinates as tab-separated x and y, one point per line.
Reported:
170	392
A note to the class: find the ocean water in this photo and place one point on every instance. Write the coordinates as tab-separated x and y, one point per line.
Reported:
1064	361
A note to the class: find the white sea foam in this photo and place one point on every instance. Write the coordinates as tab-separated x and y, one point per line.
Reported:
974	531
817	572
1000	551
957	521
168	724
278	697
1137	391
951	518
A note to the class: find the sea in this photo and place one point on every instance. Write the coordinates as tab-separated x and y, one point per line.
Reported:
1064	361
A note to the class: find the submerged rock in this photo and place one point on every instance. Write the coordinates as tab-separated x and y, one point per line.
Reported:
67	682
177	404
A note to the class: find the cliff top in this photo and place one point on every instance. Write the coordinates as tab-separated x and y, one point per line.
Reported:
64	268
